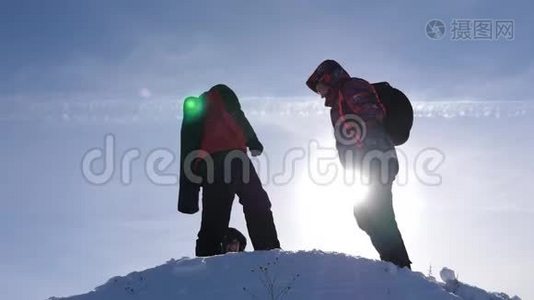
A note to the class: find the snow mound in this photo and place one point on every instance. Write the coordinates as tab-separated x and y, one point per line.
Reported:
282	275
465	291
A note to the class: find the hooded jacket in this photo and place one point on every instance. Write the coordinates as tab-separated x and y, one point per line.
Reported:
356	112
220	125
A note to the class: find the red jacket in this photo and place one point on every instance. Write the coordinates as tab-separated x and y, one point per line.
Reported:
221	132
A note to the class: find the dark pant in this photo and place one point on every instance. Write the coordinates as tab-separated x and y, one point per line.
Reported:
229	179
376	217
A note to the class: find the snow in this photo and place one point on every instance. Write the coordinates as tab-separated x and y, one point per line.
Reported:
466	291
283	275
447	275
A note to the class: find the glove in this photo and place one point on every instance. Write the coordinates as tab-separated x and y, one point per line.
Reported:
255	147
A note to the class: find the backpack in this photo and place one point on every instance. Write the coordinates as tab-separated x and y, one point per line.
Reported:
399	112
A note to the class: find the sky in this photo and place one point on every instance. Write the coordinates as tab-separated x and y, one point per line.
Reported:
74	72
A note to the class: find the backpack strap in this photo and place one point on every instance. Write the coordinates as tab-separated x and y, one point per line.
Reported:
346	128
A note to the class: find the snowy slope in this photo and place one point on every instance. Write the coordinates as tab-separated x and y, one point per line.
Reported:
282	275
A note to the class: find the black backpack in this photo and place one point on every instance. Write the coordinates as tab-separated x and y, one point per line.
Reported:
399	112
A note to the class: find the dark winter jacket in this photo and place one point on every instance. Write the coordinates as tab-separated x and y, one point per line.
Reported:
219	126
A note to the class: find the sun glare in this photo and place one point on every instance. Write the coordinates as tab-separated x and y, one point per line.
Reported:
326	215
327	221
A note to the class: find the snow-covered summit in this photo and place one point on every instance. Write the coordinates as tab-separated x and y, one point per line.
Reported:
283	275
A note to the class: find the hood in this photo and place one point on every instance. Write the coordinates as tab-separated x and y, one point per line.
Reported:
329	72
227	95
234	234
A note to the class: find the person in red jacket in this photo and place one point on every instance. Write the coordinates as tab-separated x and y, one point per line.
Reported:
363	145
215	136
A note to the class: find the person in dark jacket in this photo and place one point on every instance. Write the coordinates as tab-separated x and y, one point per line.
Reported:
215	136
363	145
233	241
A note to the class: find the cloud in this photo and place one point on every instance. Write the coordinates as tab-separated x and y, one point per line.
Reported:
273	108
145	93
